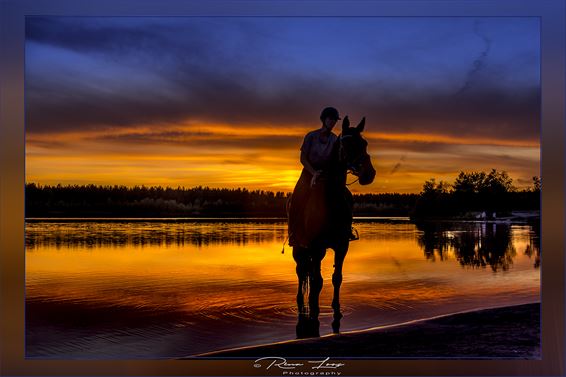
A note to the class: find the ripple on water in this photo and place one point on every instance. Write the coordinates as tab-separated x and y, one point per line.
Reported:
325	311
247	313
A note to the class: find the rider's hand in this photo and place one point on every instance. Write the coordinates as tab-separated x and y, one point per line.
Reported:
315	177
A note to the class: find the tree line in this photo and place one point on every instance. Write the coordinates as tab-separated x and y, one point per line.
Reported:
476	191
141	201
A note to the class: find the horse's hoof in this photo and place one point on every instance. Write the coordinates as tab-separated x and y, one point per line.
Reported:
336	327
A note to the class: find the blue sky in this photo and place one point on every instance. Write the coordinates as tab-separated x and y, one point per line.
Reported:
463	78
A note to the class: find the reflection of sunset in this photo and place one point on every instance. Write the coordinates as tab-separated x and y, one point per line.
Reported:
183	287
385	266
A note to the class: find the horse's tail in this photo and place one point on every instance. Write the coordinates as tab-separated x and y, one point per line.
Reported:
289	231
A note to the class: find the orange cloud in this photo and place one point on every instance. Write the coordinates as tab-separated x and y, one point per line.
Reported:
256	157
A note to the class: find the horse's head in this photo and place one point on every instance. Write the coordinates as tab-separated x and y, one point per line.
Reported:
353	151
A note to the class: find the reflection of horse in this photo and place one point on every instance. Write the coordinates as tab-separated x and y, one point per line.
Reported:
320	217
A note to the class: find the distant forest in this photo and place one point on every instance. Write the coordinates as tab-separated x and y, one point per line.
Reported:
141	201
471	192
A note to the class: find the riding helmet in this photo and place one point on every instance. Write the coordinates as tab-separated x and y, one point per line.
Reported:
329	112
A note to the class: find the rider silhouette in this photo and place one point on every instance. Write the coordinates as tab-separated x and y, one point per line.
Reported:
316	152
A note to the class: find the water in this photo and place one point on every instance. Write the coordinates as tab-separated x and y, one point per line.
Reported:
164	289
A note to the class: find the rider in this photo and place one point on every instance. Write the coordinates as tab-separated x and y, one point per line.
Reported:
317	145
315	158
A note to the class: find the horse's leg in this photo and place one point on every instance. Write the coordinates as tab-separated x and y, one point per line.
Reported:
300	257
339	255
316	281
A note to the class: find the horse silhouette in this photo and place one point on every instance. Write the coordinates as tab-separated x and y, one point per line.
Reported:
320	217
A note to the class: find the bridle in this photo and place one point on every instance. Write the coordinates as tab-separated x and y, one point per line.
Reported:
352	167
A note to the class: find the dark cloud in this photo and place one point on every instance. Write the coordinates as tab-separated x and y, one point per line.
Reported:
395	168
201	140
209	81
433	149
47	144
479	62
122	36
487	112
398	165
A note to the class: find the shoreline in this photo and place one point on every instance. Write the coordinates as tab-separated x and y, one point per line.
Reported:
509	332
516	217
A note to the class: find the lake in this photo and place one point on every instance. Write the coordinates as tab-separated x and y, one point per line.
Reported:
153	289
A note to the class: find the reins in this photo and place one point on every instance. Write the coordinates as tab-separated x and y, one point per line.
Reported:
355	180
349	170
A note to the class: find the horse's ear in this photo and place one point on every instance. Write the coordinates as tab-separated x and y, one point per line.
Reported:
345	123
362	124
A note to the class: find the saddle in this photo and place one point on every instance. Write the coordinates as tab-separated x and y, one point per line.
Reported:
318	217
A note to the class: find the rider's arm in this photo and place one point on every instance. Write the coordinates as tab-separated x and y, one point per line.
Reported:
309	168
305	160
306	163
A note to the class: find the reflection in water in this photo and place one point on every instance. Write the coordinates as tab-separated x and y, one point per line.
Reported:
143	289
122	234
337	316
307	326
310	283
533	248
475	245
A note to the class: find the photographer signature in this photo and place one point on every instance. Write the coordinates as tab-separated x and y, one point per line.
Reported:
282	363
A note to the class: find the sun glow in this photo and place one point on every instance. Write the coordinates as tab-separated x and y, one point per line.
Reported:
262	157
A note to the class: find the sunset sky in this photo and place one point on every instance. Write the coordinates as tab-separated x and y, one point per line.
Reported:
226	101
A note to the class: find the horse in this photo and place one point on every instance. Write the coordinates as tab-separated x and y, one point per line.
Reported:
320	217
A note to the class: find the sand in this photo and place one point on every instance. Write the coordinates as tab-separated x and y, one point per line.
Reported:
509	332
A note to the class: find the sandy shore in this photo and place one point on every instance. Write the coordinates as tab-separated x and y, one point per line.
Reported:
509	332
